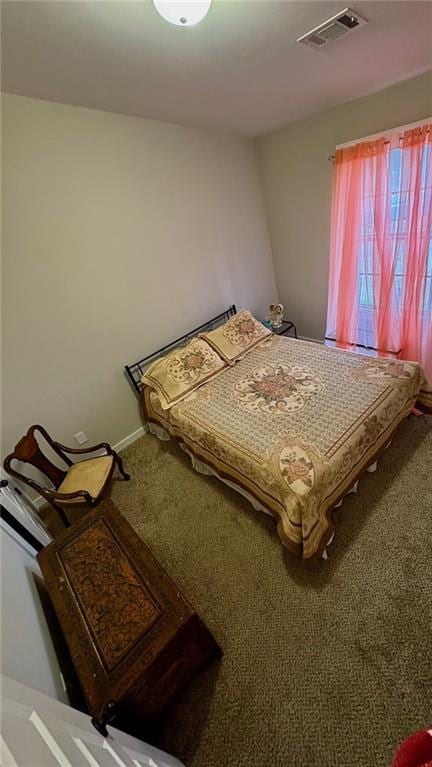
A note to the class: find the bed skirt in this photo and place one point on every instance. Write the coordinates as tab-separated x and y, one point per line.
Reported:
203	468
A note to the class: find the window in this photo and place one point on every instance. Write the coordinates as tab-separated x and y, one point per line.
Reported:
380	291
397	235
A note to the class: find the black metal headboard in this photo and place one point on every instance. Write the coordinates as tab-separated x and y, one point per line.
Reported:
136	370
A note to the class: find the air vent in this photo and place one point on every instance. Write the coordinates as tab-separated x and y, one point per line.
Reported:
330	30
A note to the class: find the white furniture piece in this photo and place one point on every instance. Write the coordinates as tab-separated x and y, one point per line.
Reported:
38	731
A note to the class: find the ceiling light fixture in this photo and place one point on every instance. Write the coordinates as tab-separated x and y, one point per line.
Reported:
184	13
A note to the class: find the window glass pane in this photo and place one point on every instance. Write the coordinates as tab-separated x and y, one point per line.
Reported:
396	237
395	169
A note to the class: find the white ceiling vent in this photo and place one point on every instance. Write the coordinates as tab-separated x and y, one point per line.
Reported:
338	25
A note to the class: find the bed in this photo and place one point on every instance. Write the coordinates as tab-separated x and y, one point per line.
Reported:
291	424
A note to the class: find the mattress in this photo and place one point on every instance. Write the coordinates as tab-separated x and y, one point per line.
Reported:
294	424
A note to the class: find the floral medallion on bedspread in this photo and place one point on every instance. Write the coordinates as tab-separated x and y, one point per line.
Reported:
398	370
294	423
277	388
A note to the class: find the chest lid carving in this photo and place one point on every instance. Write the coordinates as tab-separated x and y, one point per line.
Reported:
118	607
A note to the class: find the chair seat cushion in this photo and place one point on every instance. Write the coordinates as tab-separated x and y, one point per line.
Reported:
87	475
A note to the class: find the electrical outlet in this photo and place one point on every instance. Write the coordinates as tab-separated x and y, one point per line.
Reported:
81	437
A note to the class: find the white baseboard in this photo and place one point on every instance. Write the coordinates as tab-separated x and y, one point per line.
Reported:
119	446
315	340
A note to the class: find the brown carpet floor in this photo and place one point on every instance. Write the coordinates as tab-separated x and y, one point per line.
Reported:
325	665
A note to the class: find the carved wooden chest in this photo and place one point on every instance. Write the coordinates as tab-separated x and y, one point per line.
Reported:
134	639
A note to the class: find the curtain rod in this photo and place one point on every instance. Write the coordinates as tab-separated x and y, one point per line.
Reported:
331	157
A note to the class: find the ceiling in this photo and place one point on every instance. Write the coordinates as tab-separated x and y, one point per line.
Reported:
239	70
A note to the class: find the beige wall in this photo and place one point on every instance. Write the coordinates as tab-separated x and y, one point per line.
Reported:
297	175
119	234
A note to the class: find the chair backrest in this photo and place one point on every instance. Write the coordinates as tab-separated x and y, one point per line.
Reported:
28	451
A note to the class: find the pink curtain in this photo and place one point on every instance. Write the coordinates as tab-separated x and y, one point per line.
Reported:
380	284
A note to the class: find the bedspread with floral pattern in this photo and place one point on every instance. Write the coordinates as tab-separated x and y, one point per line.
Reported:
294	423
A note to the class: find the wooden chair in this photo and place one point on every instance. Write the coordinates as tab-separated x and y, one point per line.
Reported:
81	484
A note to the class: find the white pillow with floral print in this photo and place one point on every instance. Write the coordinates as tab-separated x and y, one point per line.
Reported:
181	372
237	337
